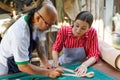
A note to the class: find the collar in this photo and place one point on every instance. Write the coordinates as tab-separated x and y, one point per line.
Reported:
26	19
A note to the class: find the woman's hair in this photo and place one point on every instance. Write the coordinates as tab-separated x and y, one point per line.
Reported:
85	16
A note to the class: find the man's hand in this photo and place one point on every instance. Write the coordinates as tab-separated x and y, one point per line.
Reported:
53	73
48	66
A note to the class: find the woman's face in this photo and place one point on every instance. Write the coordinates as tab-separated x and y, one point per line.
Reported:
80	28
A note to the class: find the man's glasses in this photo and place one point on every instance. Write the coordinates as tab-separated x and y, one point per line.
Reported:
46	23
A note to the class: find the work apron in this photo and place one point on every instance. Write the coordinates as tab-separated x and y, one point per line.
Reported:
12	66
72	55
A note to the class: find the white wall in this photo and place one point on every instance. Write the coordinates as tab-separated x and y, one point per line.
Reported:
108	14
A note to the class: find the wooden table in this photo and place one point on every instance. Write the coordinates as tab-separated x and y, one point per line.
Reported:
108	69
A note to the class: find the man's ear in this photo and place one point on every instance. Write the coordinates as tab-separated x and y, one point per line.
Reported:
36	18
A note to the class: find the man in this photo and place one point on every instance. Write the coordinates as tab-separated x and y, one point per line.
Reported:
22	38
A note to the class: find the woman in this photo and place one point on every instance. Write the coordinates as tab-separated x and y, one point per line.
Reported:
78	42
22	38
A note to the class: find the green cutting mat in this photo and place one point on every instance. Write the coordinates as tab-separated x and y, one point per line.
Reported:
23	76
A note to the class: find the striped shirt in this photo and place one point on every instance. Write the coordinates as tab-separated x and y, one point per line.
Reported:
89	41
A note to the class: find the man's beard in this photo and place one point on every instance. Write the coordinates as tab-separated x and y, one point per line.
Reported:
35	26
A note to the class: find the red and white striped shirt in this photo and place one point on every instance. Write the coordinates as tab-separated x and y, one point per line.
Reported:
89	41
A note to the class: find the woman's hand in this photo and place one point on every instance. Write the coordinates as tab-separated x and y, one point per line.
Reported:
55	64
81	70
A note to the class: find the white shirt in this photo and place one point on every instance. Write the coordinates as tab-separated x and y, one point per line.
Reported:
16	42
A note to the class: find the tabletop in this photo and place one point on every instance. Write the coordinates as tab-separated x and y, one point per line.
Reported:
108	69
101	69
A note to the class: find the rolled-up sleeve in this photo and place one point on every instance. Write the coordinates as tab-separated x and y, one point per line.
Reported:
92	45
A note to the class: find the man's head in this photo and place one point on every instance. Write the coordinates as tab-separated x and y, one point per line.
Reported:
45	17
